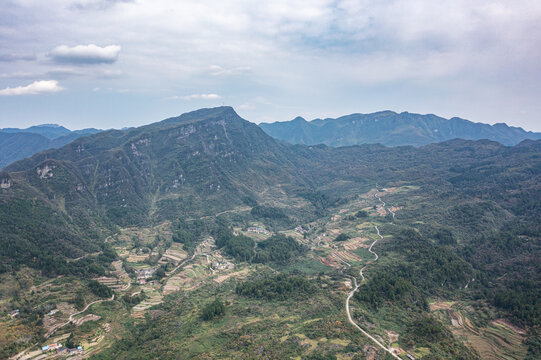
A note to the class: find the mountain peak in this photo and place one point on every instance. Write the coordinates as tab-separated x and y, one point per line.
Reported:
386	113
226	112
49	126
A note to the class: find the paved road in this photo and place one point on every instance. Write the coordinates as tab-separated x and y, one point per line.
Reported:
384	204
352	292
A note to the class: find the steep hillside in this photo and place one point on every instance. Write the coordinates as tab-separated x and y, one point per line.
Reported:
391	129
197	164
205	162
214	208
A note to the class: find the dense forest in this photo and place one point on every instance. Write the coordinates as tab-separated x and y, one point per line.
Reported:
213	310
277	248
188	234
280	287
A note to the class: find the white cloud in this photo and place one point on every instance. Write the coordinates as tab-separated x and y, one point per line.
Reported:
85	54
97	4
217	70
196	97
323	55
37	87
18	75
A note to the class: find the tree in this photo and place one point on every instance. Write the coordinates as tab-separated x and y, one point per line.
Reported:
213	310
160	273
70	343
361	214
79	301
342	237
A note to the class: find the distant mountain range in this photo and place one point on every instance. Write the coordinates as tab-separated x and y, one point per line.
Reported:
386	127
391	129
16	144
473	213
195	165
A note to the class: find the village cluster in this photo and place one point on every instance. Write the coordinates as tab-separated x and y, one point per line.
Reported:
258	230
62	349
143	275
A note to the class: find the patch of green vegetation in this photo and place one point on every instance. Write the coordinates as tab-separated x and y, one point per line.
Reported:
277	248
280	287
189	234
213	310
99	290
426	332
522	299
388	286
322	201
268	212
534	347
342	237
239	246
132	300
361	214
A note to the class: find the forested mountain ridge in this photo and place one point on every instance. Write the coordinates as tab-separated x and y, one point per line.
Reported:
211	160
391	129
464	209
197	164
16	144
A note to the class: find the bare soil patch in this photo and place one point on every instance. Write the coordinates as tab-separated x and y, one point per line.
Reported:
241	274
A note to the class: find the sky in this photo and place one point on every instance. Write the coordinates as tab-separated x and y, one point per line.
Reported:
119	63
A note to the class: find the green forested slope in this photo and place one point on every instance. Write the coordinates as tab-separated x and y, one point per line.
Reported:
471	210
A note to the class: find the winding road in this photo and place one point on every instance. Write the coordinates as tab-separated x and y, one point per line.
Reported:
352	292
170	273
384	204
77	313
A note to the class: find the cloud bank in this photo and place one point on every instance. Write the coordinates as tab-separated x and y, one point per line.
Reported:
85	54
16	57
37	87
320	58
196	97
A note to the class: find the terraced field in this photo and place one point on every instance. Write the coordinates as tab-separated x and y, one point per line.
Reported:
497	340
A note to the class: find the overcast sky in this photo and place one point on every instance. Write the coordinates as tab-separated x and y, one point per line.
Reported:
116	63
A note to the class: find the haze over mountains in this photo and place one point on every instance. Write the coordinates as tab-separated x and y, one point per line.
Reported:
464	209
385	127
16	144
391	129
195	164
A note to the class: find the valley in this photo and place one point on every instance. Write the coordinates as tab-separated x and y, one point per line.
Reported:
201	237
397	216
210	269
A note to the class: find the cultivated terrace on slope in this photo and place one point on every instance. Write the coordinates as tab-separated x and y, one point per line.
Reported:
203	227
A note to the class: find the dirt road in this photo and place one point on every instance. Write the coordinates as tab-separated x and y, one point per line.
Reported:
77	313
